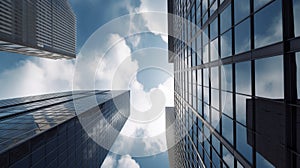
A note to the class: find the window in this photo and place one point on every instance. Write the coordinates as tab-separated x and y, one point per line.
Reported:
227	106
268	25
241	109
260	3
214	29
298	73
226	73
242	37
269	77
262	162
241	142
226	44
243	77
226	19
296	17
214	50
228	157
227	128
241	10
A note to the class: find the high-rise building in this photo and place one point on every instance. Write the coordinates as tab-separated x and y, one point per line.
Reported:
237	82
43	28
51	131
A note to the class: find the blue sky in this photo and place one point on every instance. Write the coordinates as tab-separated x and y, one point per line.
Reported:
143	56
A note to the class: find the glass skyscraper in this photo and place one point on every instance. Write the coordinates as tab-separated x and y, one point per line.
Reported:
237	82
44	28
47	131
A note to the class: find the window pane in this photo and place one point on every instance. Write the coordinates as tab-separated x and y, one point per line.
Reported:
227	128
262	162
213	8
296	17
227	106
226	44
241	142
204	5
268	25
242	37
215	98
205	54
215	119
228	157
243	78
241	108
215	77
214	50
241	9
226	19
214	29
226	73
269	77
259	3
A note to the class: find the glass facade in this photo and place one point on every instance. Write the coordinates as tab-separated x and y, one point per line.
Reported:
38	28
247	76
45	130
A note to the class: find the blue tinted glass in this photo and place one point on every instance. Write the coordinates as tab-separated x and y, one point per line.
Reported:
227	106
226	19
206	78
216	143
259	3
262	162
241	9
296	17
241	108
227	128
214	50
215	119
243	77
213	8
215	159
204	6
226	73
242	143
242	37
226	44
268	25
228	157
269	77
215	98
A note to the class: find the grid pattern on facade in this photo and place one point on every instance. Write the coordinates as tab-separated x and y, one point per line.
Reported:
40	131
244	55
38	28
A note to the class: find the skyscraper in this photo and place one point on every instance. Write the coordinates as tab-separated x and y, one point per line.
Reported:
48	131
237	82
38	28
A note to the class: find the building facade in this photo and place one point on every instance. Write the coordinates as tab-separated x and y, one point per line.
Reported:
237	82
38	28
47	131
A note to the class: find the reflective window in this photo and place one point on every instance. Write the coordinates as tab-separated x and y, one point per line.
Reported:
226	44
227	128
241	108
205	36
215	77
215	159
214	50
242	37
262	162
259	3
204	6
243	77
206	77
214	29
226	73
215	119
241	142
227	106
296	17
226	19
216	143
268	25
215	98
241	9
205	54
228	157
269	77
213	8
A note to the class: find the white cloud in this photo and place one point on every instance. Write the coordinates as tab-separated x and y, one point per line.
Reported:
36	76
126	161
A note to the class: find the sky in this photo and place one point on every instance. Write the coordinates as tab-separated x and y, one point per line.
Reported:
112	53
